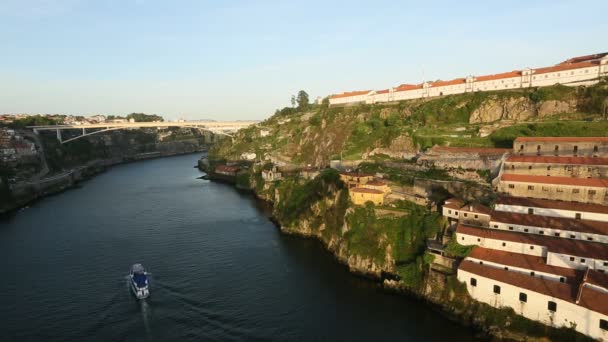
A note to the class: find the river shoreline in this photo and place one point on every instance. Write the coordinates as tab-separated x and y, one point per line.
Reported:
75	177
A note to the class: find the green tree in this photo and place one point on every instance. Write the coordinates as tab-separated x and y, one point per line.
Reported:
141	117
303	100
293	101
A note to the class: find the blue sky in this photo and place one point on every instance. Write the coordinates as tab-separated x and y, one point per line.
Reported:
243	59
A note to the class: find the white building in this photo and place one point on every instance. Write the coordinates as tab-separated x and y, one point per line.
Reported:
584	70
553	208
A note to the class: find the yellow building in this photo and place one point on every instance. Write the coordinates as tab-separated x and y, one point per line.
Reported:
359	196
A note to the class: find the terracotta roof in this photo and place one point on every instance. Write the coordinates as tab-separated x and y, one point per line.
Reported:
405	87
224	168
515	73
476	208
550	288
349	94
559	245
376	183
566	224
594	300
383	91
552	204
478	150
563	67
558	160
453	203
596	278
529	262
584	58
447	83
571	181
561	139
366	191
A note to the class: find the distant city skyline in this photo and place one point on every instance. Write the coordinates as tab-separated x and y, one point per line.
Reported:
242	60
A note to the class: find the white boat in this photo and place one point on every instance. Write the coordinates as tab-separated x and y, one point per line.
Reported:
139	281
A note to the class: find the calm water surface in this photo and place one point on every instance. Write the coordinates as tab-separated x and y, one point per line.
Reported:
221	270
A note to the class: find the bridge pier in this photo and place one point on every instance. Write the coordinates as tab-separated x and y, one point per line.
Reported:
59	136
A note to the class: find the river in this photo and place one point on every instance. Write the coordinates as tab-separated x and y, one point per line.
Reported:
220	269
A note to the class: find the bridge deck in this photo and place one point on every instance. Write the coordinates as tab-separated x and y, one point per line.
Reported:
205	124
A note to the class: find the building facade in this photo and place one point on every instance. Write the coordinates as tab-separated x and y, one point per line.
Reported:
583	70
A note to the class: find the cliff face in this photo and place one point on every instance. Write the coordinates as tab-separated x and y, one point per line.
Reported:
496	108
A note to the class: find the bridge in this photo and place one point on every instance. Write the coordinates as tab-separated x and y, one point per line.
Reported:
217	127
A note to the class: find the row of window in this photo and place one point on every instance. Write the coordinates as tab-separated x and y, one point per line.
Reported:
532	273
546	188
542	232
567	168
556	148
551	305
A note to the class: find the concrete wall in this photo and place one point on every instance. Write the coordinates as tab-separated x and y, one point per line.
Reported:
586	321
527	271
549	231
567	149
508	246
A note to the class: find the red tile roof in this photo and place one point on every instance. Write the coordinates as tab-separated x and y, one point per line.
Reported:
376	183
349	94
564	67
524	261
584	58
383	91
558	160
552	204
561	139
566	224
593	300
405	87
596	278
224	168
571	181
447	83
515	73
558	245
476	208
453	203
366	191
550	288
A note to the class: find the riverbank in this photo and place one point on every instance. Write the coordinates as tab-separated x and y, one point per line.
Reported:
26	193
367	246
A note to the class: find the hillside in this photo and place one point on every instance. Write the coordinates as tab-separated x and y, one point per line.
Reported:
399	130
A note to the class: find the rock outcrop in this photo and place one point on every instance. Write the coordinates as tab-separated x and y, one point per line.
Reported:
496	108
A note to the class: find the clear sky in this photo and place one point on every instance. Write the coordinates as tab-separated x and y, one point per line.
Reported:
243	59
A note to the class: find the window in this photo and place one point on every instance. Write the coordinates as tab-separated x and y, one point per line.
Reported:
575	150
549	168
521	147
556	234
510	227
531	247
572	236
532	273
591	192
545	188
562	279
465	214
582	261
530	187
556	148
495	226
595	149
605	263
511	186
530	211
575	191
603	324
506	268
504	244
475	216
526	230
552	306
541	232
589	238
496	289
523	297
478	240
462	238
530	167
473	282
577	216
512	166
571	258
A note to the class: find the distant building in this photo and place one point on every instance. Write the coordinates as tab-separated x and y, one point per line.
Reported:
271	175
359	196
355	179
562	146
583	70
581	167
378	185
224	170
584	190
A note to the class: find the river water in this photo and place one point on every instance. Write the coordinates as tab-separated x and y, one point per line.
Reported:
220	269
